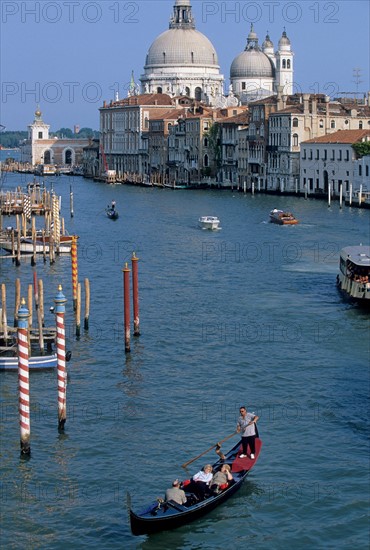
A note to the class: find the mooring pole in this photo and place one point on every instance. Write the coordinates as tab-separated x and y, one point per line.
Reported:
135	292
74	271
23	379
126	300
60	301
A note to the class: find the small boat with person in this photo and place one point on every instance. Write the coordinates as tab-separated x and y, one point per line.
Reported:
282	217
163	515
209	222
353	279
111	211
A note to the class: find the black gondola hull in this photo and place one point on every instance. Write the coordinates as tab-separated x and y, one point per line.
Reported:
166	516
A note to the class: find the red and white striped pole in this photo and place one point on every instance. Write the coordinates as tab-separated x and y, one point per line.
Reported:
135	292
60	301
126	305
23	379
74	271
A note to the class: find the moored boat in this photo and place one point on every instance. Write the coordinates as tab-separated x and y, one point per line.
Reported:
209	222
353	278
282	217
160	515
27	245
34	363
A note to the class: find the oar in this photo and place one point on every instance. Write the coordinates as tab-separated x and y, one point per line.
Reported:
207	451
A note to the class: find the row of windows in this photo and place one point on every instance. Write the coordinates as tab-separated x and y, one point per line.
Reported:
341	155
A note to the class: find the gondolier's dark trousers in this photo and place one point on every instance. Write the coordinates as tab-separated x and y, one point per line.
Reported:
251	441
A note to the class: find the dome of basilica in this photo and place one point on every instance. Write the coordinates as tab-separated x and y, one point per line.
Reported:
179	47
252	64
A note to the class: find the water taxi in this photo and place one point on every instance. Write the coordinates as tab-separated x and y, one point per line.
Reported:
209	222
282	217
353	278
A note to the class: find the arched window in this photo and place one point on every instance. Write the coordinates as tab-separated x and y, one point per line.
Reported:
159	90
68	157
205	142
187	91
332	124
198	93
321	123
360	125
288	64
284	64
47	157
295	140
295	122
206	161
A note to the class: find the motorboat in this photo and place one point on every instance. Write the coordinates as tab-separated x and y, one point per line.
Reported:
282	217
353	278
209	222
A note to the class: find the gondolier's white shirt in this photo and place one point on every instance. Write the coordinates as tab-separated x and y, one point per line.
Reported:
247	431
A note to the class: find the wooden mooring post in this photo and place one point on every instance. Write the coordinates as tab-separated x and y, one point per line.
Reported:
126	301
23	380
60	301
135	292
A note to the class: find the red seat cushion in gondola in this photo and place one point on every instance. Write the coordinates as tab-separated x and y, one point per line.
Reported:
223	486
185	482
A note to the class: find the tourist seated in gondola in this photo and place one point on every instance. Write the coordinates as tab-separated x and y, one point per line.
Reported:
199	484
221	479
175	493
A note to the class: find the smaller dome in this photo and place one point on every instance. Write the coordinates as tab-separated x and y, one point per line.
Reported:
38	113
252	64
267	43
284	40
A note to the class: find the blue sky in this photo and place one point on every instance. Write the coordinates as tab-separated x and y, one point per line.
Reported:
70	55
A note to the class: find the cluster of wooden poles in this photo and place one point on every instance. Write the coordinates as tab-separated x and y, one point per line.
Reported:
23	370
35	294
126	300
76	291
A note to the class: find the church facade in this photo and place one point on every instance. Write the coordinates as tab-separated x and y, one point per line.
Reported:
40	148
183	61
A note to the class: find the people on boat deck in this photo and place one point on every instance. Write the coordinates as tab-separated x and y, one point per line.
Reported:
113	205
247	426
175	493
220	478
201	481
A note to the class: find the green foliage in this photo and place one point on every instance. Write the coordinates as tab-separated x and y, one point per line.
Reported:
361	148
213	135
10	140
84	133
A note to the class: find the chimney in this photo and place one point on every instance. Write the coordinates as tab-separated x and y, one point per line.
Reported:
314	105
104	103
279	98
306	99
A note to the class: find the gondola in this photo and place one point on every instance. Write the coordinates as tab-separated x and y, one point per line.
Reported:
112	213
161	516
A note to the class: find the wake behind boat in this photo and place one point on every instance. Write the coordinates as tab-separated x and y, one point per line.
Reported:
282	217
209	222
160	515
354	273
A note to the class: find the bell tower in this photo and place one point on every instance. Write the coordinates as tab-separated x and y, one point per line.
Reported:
284	65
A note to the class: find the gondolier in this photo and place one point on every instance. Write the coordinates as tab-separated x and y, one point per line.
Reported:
247	426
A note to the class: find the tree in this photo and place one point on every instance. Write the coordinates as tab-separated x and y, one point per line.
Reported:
361	148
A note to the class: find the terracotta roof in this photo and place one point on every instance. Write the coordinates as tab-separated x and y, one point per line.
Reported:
342	136
142	99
